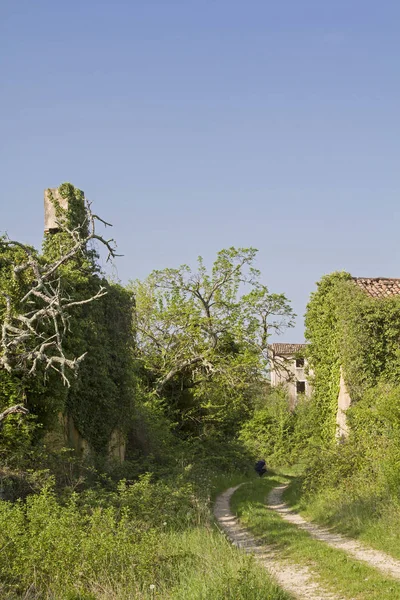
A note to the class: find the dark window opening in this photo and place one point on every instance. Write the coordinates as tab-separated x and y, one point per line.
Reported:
300	362
301	387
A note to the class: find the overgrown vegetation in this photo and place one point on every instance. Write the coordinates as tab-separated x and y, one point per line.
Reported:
164	374
353	483
332	568
147	540
277	432
124	410
202	338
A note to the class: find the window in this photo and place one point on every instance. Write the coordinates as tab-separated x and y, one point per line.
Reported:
299	363
301	387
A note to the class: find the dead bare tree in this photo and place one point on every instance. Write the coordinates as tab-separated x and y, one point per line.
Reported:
33	329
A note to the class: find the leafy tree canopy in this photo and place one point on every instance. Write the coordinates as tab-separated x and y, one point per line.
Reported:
198	329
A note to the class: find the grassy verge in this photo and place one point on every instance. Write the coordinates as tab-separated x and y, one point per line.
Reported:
219	570
366	516
200	564
332	567
147	541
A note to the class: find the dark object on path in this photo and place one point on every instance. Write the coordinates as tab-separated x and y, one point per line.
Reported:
260	467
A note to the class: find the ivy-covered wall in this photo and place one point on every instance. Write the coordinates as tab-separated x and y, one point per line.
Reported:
99	400
348	329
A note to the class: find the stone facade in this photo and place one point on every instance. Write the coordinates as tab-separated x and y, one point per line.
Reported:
289	370
50	220
344	401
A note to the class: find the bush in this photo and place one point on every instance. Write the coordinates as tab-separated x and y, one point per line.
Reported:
355	484
115	545
269	433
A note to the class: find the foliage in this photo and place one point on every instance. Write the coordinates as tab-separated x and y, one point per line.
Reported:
178	383
34	323
335	570
101	399
277	433
348	329
66	278
117	546
202	337
323	354
353	483
269	432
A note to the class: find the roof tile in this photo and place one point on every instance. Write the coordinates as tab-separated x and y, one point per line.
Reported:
378	287
282	349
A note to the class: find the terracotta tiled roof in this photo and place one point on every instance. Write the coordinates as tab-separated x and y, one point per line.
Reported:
378	287
282	349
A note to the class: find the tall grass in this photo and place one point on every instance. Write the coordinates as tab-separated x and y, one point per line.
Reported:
355	485
146	541
333	568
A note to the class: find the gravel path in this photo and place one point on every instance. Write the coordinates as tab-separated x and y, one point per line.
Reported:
375	558
297	580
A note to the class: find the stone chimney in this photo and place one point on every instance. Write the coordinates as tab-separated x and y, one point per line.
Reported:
50	219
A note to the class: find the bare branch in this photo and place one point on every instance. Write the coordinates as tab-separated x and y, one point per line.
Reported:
33	328
12	410
178	369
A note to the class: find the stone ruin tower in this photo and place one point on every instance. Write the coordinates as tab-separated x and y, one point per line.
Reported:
50	219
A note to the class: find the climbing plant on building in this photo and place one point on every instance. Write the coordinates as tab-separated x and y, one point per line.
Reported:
353	332
53	306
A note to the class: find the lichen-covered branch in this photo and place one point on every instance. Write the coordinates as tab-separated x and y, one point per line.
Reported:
12	410
34	326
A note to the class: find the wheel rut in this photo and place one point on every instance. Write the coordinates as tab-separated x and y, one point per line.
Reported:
296	579
379	560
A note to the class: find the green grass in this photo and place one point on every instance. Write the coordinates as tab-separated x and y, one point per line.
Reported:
200	565
54	551
293	496
220	571
371	519
223	482
333	568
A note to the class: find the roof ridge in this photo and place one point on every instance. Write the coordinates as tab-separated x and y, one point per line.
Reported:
288	344
377	278
286	347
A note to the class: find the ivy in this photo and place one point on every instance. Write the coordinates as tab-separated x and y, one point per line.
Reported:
323	352
347	329
100	398
100	401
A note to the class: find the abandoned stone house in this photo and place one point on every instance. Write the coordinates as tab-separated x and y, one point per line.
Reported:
377	288
288	368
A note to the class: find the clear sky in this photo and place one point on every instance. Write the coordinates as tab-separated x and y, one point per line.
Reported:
196	125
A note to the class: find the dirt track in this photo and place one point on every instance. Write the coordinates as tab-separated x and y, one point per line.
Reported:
293	578
375	558
296	579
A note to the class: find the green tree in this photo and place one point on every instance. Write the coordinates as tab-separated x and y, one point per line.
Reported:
202	337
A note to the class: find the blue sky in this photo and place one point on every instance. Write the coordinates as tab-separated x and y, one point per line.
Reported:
198	125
